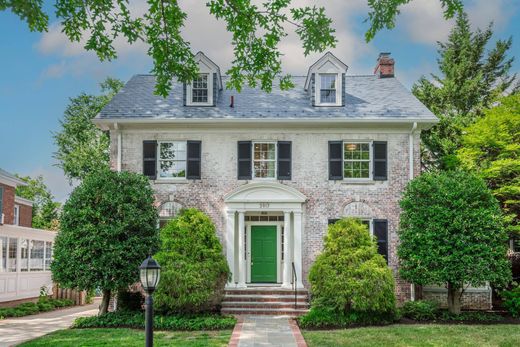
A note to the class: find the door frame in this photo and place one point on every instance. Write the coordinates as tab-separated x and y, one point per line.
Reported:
279	226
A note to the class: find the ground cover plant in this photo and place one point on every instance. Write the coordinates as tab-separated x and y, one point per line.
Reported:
28	308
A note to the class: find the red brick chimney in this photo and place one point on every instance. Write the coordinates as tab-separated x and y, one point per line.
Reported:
385	65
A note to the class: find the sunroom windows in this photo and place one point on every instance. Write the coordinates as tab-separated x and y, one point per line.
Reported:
356	160
172	159
264	160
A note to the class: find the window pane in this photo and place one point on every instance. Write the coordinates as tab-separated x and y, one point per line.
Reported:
13	248
37	255
3	254
264	169
199	90
356	160
172	168
264	156
48	255
24	259
328	88
172	157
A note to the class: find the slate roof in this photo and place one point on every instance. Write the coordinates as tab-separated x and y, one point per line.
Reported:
367	97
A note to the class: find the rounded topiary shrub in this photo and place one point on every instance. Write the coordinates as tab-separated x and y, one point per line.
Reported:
349	279
194	270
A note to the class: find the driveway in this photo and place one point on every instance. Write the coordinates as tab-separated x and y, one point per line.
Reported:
17	330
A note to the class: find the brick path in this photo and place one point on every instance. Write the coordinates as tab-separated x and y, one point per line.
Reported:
272	331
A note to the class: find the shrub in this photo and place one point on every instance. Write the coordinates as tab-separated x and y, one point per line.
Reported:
44	304
320	318
350	279
129	319
512	301
129	301
193	267
420	310
469	316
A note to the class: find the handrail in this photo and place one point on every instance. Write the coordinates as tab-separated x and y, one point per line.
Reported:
295	286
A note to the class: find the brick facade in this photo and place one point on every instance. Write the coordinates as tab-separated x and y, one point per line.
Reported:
8	203
25	216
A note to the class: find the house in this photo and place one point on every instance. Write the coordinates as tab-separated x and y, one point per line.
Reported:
272	170
25	253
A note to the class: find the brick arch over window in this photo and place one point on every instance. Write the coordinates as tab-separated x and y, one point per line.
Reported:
168	210
359	209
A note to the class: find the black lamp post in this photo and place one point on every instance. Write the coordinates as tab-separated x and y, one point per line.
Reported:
149	272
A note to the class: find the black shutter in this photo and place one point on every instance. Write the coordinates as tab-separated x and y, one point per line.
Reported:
333	220
380	161
343	87
193	160
244	160
335	160
184	94
381	234
284	160
150	159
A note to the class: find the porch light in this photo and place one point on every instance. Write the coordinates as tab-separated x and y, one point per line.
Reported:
351	146
149	273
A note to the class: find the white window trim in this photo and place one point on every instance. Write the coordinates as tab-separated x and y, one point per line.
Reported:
189	92
159	178
370	177
318	90
16	214
275	161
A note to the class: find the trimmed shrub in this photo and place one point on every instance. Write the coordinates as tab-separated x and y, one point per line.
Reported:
194	270
129	301
320	318
129	319
44	304
350	282
420	310
512	301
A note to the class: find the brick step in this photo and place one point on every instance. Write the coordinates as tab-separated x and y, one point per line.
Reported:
270	291
263	305
264	311
266	298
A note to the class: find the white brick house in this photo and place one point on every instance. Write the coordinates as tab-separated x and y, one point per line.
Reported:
273	169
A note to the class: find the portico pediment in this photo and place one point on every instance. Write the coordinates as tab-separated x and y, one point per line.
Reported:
264	192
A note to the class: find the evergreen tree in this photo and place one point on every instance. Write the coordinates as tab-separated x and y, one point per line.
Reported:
470	80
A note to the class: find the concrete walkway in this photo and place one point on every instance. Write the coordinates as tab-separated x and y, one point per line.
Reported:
273	331
14	331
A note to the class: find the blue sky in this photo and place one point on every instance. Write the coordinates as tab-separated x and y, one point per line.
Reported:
40	72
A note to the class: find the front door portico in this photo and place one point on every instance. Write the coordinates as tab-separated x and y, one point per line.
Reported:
253	249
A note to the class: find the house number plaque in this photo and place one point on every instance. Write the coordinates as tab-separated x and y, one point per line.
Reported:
264	205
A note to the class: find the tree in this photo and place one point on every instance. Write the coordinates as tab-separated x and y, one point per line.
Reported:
257	31
45	211
471	80
451	233
349	276
82	147
491	148
108	227
194	270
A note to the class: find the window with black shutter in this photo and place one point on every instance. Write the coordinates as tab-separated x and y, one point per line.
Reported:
335	160
150	159
284	160
333	220
194	160
381	235
244	160
380	160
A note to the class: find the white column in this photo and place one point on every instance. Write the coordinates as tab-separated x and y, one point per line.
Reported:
241	251
287	260
298	247
230	246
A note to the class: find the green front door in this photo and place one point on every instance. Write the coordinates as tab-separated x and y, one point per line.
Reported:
263	253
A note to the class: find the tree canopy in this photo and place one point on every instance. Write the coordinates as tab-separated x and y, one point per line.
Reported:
451	233
82	147
108	227
257	30
471	79
491	147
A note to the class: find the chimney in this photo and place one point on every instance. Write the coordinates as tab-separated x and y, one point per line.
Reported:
232	101
385	65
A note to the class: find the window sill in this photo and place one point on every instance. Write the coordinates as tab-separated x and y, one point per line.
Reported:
171	181
360	182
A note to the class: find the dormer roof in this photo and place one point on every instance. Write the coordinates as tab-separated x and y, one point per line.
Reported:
329	63
206	64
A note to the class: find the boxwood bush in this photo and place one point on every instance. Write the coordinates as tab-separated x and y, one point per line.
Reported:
420	310
194	270
43	305
512	301
350	282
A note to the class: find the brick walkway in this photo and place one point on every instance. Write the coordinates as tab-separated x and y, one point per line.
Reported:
14	331
273	331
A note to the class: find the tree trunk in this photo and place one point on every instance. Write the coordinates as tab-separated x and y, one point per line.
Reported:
103	308
454	294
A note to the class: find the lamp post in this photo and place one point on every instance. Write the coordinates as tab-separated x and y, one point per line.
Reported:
149	273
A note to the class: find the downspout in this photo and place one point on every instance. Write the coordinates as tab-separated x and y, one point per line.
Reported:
119	141
411	171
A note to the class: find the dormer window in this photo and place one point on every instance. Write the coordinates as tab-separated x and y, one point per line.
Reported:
204	90
328	89
199	91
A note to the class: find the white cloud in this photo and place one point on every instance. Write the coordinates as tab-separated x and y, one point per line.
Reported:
55	180
482	12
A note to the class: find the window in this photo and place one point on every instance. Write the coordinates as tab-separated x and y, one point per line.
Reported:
172	159
37	249
24	259
168	211
13	248
356	160
3	254
16	214
48	255
328	88
199	89
264	160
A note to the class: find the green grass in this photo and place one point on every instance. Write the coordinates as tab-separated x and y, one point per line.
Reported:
130	337
418	335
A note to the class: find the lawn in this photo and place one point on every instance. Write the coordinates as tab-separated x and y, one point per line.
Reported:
418	335
131	337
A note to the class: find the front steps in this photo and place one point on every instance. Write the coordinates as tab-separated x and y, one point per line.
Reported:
265	301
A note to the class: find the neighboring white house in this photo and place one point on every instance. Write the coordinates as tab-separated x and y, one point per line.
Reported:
272	170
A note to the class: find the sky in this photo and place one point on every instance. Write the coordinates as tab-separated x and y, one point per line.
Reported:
41	71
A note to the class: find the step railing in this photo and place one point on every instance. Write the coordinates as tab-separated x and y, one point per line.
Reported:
295	286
